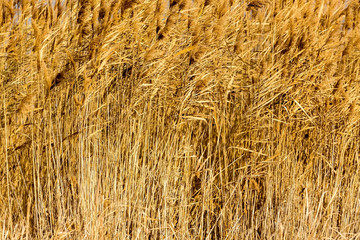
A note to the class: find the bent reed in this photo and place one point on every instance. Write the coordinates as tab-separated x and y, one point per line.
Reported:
179	119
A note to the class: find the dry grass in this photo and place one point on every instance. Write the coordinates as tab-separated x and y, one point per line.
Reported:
185	119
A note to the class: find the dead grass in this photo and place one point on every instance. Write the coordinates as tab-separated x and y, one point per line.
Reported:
184	119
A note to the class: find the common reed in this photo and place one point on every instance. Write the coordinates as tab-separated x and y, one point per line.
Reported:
179	119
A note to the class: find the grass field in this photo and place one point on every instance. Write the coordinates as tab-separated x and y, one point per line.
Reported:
179	119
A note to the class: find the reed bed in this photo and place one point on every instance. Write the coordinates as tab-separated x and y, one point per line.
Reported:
179	119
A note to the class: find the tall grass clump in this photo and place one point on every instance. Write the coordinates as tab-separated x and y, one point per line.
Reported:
179	119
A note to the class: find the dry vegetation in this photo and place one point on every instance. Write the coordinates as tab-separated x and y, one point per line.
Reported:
202	119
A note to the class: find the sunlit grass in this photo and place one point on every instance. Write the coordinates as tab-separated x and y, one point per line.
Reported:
184	119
